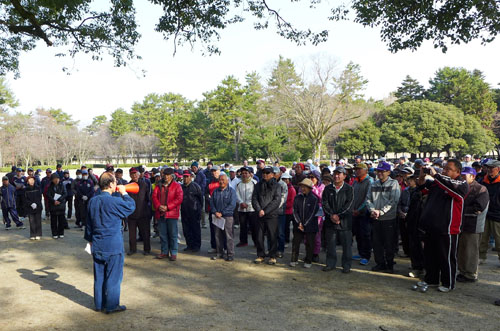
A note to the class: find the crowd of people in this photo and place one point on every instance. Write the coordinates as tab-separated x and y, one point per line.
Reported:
442	214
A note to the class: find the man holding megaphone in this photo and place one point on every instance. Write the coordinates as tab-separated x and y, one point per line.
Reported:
103	232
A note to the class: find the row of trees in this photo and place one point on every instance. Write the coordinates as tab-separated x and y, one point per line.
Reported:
290	116
457	114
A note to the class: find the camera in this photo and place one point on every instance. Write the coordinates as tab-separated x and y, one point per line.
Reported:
426	170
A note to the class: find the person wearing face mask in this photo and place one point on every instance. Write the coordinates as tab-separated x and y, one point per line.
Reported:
75	182
68	183
56	194
84	191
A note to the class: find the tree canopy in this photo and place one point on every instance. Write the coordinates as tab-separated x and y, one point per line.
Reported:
110	27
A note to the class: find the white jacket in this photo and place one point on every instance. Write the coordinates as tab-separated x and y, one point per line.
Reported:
244	193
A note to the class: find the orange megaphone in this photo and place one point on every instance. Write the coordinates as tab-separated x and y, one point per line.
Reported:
131	188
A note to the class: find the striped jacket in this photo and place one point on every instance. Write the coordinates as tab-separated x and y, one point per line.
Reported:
443	211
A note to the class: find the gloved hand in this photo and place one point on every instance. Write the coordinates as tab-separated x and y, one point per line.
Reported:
84	198
33	205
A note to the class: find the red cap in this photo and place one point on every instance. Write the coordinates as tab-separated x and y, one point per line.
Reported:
133	170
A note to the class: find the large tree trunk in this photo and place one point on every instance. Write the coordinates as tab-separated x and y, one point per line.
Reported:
317	149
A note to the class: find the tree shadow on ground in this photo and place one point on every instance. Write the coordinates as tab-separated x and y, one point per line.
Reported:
48	281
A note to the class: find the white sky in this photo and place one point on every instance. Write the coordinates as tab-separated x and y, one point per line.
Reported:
98	88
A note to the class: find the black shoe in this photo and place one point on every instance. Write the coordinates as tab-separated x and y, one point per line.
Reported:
279	255
66	227
146	253
229	258
379	267
328	268
497	302
131	253
346	271
389	270
187	249
315	258
195	250
116	310
461	278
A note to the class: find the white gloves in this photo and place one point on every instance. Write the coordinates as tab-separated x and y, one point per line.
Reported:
84	198
33	205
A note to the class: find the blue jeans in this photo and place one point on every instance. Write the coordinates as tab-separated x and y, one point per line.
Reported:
281	235
168	235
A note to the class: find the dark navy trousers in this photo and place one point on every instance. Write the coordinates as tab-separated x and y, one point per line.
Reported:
108	275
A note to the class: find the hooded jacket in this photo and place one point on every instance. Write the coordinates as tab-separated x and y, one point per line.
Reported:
8	196
384	197
266	196
305	208
475	208
493	187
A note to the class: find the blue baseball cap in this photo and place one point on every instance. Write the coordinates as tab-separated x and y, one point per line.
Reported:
383	166
469	171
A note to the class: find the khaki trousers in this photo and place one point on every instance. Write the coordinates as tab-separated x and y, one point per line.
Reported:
490	228
468	254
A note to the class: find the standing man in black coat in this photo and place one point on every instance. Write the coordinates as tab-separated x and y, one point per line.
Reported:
266	199
141	217
56	194
338	200
191	208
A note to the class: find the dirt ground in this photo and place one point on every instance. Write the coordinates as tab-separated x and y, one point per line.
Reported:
48	284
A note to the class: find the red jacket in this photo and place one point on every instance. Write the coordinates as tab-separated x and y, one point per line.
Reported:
174	200
289	199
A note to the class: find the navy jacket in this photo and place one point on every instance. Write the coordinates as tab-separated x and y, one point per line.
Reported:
32	195
19	181
51	192
84	188
104	222
223	201
68	183
201	180
8	196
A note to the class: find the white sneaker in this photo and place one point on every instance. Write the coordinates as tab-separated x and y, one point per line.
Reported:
307	265
444	289
61	236
293	264
236	226
38	238
55	237
32	238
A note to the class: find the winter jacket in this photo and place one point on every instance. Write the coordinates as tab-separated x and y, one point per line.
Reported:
289	199
361	190
267	197
415	207
338	203
201	180
244	195
32	195
68	183
475	208
51	194
223	201
211	187
404	201
234	182
84	188
493	186
8	196
174	200
305	208
44	185
20	184
384	197
442	212
142	208
192	201
284	194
